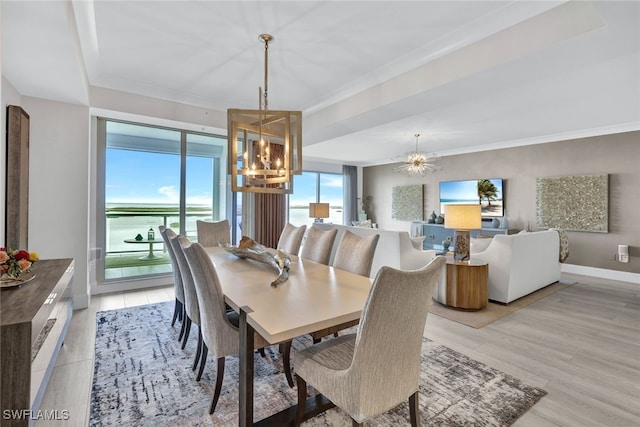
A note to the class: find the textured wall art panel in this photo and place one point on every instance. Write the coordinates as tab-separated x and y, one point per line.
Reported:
577	203
406	203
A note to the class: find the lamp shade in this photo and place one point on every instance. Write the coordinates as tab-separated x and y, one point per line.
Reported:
463	217
318	210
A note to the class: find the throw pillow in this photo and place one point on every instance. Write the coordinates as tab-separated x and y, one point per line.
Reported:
417	242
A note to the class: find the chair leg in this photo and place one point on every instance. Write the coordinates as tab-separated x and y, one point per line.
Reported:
302	400
286	362
182	329
177	310
198	350
219	378
186	333
414	410
203	360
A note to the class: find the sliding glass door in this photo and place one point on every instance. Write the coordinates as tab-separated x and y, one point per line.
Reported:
316	187
154	176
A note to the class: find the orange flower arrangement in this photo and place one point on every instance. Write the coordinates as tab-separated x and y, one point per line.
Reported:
15	262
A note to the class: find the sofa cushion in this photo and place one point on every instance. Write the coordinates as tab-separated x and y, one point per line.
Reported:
480	244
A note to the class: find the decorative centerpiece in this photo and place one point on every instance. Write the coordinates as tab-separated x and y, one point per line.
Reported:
249	248
14	263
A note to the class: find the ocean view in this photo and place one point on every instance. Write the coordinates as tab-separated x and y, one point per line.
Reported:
126	220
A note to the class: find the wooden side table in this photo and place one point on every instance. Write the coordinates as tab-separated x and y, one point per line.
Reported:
467	285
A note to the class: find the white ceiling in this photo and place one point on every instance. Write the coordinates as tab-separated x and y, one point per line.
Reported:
367	75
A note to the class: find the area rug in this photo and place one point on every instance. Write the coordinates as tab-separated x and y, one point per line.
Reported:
494	311
142	377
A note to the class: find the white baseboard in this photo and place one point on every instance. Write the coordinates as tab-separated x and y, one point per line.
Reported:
622	276
129	285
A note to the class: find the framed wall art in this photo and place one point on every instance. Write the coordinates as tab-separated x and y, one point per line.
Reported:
575	203
17	179
407	203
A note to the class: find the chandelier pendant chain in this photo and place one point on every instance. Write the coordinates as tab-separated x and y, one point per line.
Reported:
266	39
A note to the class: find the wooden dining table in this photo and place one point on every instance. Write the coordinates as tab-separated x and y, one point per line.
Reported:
315	297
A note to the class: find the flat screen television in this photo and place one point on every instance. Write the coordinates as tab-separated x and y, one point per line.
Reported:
487	192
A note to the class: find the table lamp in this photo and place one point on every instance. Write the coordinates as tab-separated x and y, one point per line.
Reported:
318	211
462	218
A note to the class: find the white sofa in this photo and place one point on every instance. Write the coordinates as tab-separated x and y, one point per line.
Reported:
394	248
520	263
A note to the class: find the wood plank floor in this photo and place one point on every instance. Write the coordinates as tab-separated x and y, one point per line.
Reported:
581	344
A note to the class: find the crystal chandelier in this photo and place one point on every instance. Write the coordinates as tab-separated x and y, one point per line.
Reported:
417	163
265	146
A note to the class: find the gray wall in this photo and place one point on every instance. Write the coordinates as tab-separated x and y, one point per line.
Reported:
617	155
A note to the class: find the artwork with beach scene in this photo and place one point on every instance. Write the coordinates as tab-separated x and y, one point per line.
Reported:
487	192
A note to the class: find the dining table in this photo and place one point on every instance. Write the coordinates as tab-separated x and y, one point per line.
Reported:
315	297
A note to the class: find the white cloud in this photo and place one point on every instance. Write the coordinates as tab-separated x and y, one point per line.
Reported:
332	182
170	193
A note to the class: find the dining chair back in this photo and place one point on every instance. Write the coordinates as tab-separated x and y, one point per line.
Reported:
318	244
291	238
190	298
219	327
178	289
368	372
355	253
213	233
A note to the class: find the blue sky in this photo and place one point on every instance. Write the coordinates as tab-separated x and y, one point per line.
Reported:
144	177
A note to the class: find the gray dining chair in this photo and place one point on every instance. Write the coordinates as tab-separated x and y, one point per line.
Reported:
178	289
354	254
318	244
377	368
291	238
213	233
191	306
219	327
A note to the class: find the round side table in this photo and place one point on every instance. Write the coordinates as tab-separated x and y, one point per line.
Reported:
467	285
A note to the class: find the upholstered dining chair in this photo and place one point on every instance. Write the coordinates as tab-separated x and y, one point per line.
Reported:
318	244
358	256
191	308
291	238
178	289
213	233
375	369
354	254
219	328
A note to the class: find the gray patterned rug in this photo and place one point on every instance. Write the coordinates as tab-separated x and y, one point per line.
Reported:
142	377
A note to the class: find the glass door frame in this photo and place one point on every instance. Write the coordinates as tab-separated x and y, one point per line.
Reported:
98	251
